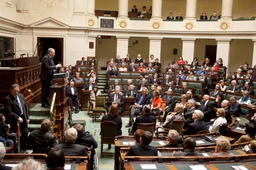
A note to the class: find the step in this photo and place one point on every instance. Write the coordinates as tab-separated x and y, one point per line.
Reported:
38	110
38	119
101	84
32	127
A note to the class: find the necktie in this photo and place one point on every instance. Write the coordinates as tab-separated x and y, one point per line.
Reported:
116	98
140	100
234	88
17	98
132	93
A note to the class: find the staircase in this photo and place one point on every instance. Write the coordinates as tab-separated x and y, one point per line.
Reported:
102	79
37	115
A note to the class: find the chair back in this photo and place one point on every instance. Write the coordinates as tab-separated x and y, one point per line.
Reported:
178	125
108	132
101	101
147	126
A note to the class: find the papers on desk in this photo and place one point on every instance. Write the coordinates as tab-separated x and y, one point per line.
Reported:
67	167
129	143
239	128
205	154
238	119
199	142
239	167
148	166
11	165
198	103
198	167
161	143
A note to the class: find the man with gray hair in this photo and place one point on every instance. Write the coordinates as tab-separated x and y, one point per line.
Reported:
207	108
189	111
197	125
169	99
116	98
69	148
234	88
2	154
29	164
245	99
224	105
172	138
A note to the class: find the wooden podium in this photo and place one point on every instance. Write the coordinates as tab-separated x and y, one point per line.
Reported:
26	73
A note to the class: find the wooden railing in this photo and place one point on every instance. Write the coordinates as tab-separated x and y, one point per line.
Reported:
53	112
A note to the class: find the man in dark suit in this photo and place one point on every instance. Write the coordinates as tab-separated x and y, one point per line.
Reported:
47	69
189	145
112	72
144	149
169	86
189	111
234	106
89	86
141	100
145	118
132	67
224	105
169	99
116	98
157	65
131	92
138	59
216	92
184	88
179	17
155	80
72	96
247	87
166	79
69	148
207	108
233	87
16	110
197	125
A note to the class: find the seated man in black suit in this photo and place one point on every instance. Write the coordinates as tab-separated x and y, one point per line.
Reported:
224	105
144	149
116	98
189	145
72	96
89	86
132	67
155	80
179	17
234	87
169	102
207	108
190	108
215	92
131	92
69	148
112	72
234	106
172	138
141	100
197	125
145	118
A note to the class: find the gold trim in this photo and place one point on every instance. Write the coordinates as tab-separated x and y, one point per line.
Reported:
122	24
90	22
189	25
156	25
224	25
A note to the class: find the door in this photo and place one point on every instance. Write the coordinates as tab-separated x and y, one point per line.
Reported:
210	52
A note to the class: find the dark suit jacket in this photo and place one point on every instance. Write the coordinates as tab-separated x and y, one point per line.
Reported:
188	116
250	90
142	150
152	81
71	149
112	73
179	18
235	108
128	93
194	128
183	91
13	110
227	115
116	119
166	81
169	102
47	68
130	68
146	118
144	101
169	18
69	92
2	167
237	88
138	60
86	86
111	98
207	110
203	17
214	93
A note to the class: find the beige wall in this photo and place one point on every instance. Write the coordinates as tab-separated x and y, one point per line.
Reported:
200	48
168	44
240	52
106	5
141	48
174	6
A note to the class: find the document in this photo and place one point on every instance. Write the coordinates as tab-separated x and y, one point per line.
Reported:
205	154
162	143
239	167
67	167
199	142
11	165
129	143
148	166
198	167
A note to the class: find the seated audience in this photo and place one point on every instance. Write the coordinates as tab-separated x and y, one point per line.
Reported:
190	109
189	95
144	11
181	75
179	17
216	123
4	132
144	149
169	99
77	78
89	86
127	58
234	87
141	67
189	145
2	154
206	63
93	78
82	62
203	16
222	147
55	160
220	62
117	99
198	72
72	94
138	59
156	103
155	80
169	86
215	92
42	140
131	92
113	72
110	65
248	87
151	91
202	77
172	116
183	100
172	138
142	84
222	85
184	88
118	60
28	164
244	67
218	100
214	16
170	73
157	65
177	81
132	67
170	16
146	117
197	125
215	67
234	106
69	147
137	136
150	68
166	79
180	61
113	86
245	99
250	133
94	93
251	148
134	8
206	107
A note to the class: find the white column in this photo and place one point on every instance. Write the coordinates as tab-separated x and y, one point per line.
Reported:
123	9
122	46
91	7
155	47
191	9
254	53
156	9
227	6
188	49
223	51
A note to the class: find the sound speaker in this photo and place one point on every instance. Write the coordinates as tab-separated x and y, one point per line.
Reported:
175	51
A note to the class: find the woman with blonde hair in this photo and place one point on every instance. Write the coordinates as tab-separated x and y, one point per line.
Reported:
183	101
217	123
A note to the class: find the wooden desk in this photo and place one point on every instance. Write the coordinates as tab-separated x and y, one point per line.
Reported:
235	130
128	101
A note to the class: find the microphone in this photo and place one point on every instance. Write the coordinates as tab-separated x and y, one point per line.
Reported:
22	55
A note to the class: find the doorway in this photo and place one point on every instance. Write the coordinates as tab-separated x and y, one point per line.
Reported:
210	52
44	43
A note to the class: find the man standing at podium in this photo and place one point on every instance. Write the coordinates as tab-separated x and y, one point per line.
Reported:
47	69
